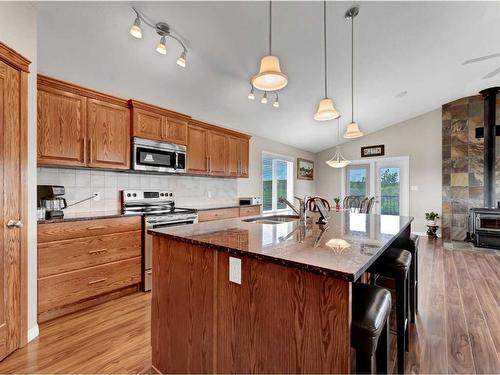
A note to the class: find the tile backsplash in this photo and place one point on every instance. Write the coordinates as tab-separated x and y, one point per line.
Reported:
80	184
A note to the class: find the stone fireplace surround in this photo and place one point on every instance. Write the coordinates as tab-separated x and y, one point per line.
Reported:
462	164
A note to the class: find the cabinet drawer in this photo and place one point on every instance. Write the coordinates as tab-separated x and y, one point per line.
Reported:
86	228
226	213
250	211
69	255
67	288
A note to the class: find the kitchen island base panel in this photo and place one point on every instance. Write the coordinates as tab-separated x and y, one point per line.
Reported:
279	319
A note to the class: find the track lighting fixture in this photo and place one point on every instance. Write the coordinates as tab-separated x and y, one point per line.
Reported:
163	30
161	48
264	98
135	29
251	94
276	103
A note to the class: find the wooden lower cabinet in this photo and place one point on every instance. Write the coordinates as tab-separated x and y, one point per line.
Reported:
227	213
86	262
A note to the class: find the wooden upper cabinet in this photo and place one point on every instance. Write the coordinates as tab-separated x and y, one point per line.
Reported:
159	124
244	158
237	156
175	130
108	135
197	159
217	153
81	127
61	127
147	124
233	156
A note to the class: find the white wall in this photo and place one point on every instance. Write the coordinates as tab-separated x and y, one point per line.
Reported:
18	29
252	186
420	139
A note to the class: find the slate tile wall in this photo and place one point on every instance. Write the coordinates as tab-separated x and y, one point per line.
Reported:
462	164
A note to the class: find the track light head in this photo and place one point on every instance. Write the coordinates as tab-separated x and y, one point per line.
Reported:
161	48
251	94
181	61
276	103
264	98
135	29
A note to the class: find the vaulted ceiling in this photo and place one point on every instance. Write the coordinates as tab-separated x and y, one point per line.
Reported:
413	47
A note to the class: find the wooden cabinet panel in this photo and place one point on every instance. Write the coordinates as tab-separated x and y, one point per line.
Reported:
69	255
108	135
75	229
225	213
244	159
249	211
147	124
175	130
217	154
70	287
197	159
61	127
233	156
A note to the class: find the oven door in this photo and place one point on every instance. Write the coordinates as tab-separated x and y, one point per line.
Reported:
148	248
487	223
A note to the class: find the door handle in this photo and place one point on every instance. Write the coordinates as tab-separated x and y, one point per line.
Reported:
11	224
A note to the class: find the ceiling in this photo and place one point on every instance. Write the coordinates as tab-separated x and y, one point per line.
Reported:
418	47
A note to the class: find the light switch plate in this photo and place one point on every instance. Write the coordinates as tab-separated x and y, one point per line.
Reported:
235	270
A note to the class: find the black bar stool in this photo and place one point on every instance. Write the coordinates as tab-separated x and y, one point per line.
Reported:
371	307
394	263
411	244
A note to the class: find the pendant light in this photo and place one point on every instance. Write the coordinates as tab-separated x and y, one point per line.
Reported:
338	161
353	130
270	77
326	110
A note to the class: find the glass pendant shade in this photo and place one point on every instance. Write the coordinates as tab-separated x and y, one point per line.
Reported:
338	161
326	111
353	131
135	30
270	77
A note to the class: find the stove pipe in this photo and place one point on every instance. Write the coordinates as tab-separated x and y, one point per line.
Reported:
490	96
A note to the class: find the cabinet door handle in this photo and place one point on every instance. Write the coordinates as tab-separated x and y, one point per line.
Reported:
11	224
210	164
96	227
90	150
98	251
98	281
82	141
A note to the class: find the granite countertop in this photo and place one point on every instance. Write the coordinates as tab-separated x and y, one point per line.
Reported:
80	216
216	206
345	249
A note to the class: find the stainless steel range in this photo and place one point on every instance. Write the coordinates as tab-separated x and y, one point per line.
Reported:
159	211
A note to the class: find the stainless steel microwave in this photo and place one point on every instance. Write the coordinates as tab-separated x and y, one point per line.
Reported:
157	156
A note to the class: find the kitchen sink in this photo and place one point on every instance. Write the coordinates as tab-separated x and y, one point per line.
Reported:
275	219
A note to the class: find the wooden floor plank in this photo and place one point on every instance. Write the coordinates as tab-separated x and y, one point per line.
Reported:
460	359
483	348
485	297
455	332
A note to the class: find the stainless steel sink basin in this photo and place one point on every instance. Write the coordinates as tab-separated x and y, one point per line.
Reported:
275	219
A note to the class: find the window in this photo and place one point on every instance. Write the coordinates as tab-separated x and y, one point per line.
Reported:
357	180
277	181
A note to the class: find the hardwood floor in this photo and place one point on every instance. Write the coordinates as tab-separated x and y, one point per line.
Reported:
457	329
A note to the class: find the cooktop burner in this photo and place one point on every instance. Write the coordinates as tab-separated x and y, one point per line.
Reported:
150	202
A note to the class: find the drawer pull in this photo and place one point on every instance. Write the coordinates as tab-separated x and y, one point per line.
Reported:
149	272
98	251
96	227
97	281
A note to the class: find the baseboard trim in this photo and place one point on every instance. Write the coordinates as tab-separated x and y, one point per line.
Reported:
33	332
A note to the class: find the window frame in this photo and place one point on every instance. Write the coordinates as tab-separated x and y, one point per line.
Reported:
274	184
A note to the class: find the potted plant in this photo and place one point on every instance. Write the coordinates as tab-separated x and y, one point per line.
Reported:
431	218
337	203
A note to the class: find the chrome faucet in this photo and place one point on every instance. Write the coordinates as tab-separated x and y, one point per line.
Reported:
301	211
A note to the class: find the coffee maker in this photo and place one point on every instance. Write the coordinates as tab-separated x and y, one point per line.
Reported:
51	198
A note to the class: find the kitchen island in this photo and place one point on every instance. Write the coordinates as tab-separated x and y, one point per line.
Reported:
261	295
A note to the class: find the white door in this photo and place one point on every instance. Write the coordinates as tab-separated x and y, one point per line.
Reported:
386	179
391	187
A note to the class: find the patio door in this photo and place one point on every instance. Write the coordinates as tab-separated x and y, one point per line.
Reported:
386	179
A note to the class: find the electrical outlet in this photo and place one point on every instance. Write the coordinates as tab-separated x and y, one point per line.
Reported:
209	194
97	196
235	270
